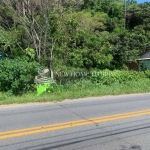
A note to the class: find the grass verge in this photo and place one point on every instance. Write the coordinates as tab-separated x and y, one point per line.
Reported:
79	90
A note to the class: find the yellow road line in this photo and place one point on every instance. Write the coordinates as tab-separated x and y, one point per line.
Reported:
52	127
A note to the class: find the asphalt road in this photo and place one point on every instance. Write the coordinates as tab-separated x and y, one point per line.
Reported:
106	123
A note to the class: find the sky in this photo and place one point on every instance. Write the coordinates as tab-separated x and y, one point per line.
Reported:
141	1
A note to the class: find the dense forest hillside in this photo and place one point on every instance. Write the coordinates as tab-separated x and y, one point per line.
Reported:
75	33
73	36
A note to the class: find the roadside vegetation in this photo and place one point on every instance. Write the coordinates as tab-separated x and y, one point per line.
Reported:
113	83
91	37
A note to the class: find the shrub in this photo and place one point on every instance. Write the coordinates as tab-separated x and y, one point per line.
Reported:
107	77
17	75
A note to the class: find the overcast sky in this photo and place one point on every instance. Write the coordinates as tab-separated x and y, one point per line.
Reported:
141	1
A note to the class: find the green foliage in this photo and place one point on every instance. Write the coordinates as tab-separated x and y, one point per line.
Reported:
30	52
17	75
147	74
126	46
89	36
107	77
82	78
143	66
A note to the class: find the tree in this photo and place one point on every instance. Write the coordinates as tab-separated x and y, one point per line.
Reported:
41	21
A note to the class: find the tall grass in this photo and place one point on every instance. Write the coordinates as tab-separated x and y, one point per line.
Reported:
86	88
